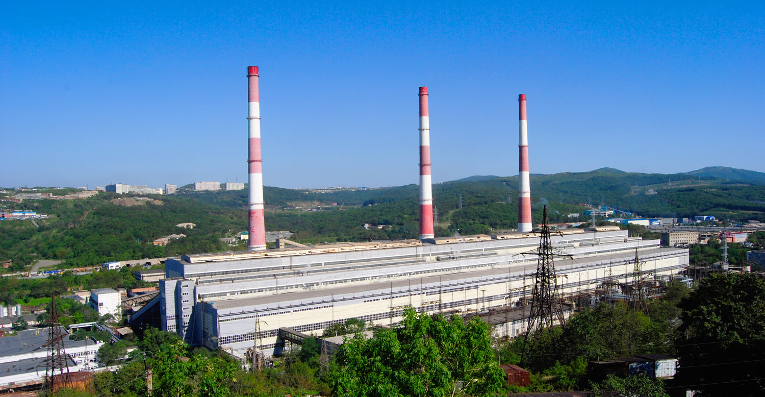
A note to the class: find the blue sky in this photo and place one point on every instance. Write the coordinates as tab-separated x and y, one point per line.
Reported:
154	93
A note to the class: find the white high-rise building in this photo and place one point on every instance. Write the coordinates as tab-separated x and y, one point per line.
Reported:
118	188
170	189
199	186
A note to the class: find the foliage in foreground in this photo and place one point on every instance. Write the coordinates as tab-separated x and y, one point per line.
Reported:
425	356
722	338
614	386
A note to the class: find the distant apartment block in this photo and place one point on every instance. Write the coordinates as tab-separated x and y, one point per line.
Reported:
118	188
121	188
201	186
674	239
170	189
234	186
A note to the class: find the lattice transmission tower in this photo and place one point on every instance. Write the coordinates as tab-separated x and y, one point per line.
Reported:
57	359
638	299
546	306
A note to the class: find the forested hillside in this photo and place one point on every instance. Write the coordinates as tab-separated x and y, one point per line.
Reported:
112	227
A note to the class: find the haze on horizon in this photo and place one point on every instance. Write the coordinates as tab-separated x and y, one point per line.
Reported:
99	93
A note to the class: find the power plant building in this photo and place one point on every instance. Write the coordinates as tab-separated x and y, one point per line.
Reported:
220	300
245	301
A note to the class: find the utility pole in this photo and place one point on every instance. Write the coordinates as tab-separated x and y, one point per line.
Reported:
323	358
725	250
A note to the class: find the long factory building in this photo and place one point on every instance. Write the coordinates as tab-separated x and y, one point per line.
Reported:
221	300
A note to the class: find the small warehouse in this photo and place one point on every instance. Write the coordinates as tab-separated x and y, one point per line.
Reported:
516	376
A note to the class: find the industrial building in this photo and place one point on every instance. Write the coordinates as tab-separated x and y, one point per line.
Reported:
254	300
234	186
23	357
220	300
106	301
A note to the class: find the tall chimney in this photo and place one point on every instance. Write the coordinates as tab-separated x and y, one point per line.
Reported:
257	226
426	190
524	186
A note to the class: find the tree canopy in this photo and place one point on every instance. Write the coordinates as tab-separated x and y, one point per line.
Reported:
425	356
722	338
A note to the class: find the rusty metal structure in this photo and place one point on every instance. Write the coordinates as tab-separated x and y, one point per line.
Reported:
57	363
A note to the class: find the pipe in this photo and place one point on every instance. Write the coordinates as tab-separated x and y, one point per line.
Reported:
257	225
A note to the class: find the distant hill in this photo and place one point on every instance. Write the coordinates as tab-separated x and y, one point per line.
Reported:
95	230
731	174
475	178
609	170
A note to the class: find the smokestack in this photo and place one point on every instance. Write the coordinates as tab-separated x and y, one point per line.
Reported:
257	226
426	190
524	186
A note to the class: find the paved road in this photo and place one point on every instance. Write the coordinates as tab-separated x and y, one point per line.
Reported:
43	263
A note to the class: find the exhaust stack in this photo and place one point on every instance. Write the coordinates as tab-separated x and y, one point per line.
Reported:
257	225
426	190
524	186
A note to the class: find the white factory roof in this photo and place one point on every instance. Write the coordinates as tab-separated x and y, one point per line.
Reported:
562	265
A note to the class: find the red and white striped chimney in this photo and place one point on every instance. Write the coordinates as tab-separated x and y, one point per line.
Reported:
257	226
426	190
524	186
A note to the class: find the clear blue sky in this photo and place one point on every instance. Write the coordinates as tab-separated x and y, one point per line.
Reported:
107	92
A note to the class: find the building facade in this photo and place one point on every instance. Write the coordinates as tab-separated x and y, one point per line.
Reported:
106	301
234	186
674	239
202	186
170	189
220	300
23	357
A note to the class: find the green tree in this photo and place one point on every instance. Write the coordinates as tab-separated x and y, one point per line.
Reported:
111	353
637	386
722	335
153	339
425	356
20	324
310	348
